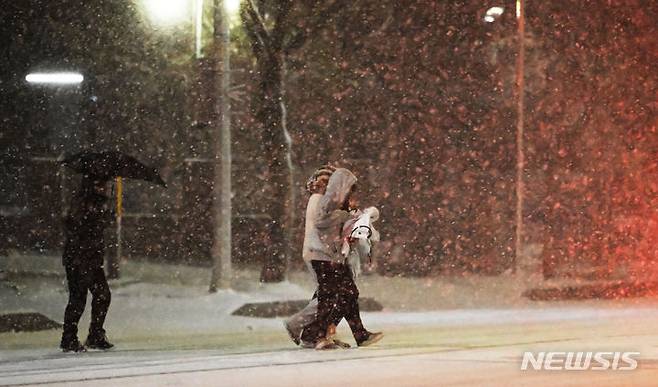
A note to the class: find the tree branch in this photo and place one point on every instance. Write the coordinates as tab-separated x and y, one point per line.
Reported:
322	18
258	25
281	23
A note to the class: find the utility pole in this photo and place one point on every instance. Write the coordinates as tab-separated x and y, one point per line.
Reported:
113	264
520	157
222	212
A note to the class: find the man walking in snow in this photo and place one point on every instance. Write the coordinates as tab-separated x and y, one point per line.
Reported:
83	260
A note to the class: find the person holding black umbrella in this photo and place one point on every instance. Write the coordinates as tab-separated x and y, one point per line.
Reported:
90	214
84	250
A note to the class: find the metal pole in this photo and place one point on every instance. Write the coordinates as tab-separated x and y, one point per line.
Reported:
198	29
113	267
520	161
221	250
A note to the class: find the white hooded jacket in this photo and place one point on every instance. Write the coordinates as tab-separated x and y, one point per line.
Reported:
311	236
329	219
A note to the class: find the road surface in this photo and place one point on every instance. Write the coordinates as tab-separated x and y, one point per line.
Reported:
422	355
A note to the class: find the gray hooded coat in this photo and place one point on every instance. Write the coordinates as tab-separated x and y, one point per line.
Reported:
322	237
330	218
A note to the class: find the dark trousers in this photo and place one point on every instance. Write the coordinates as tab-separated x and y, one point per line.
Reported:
338	298
81	280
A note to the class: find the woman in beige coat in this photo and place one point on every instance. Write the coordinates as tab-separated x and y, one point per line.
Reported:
316	186
337	293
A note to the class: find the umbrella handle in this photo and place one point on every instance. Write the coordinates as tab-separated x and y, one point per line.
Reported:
119	183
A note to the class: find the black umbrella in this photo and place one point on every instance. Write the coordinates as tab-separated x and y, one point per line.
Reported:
110	164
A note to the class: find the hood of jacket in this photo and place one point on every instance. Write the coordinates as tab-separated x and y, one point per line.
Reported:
330	217
338	187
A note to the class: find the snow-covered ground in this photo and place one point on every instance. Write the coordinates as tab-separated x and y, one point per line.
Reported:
426	354
169	331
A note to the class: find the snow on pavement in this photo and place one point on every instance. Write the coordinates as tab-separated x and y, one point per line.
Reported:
427	356
178	334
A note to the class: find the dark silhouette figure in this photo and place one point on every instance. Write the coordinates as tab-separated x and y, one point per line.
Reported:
84	250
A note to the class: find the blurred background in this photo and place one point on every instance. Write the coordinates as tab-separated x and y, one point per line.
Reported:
458	129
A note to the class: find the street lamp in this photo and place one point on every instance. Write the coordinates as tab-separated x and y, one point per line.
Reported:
490	16
232	7
222	207
520	110
167	13
55	78
493	13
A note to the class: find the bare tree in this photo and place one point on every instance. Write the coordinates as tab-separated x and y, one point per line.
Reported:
273	32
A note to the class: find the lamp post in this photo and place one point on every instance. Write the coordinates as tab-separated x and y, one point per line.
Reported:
490	16
520	157
222	211
167	14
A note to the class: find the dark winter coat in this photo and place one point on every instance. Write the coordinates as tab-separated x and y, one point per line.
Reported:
90	215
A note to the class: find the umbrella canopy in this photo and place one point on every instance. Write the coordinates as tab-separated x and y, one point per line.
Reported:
110	164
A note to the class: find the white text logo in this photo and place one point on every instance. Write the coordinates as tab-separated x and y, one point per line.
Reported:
580	361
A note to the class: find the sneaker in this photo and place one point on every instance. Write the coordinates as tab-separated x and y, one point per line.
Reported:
72	345
98	342
372	338
294	336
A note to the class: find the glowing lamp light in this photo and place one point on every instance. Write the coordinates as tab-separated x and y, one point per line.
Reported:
493	13
232	6
64	78
167	12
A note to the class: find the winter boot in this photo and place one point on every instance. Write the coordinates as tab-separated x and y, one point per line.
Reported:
71	344
371	338
307	344
342	344
98	341
325	343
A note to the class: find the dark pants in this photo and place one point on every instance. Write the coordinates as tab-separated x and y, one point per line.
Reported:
338	298
81	280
